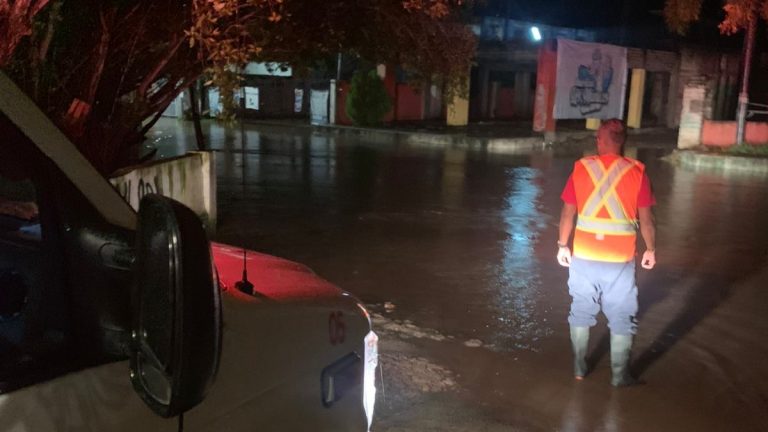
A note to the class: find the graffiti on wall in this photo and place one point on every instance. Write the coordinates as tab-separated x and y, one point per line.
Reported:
135	192
189	179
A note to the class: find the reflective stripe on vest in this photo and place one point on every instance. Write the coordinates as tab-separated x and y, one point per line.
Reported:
605	226
604	195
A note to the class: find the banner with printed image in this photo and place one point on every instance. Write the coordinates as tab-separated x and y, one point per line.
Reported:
591	80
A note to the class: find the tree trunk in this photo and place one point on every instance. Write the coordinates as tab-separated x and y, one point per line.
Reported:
193	99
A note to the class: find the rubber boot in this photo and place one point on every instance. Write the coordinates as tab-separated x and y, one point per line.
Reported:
621	345
579	341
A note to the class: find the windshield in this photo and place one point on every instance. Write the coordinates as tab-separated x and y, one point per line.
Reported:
18	198
33	123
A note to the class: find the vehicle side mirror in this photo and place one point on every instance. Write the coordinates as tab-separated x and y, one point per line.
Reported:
176	308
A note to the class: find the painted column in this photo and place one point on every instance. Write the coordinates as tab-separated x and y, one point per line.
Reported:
692	118
636	93
458	110
544	102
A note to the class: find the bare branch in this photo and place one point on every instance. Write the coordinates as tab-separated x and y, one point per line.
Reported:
152	76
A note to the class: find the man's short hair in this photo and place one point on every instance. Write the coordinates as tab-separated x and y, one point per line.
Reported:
614	130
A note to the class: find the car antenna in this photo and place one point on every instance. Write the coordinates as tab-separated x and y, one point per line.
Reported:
245	285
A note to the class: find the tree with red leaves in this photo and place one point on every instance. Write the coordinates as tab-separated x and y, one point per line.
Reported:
104	70
16	19
680	14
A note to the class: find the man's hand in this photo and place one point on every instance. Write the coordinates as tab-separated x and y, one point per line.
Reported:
567	215
649	259
648	230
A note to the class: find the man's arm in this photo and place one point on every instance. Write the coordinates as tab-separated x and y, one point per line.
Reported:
567	215
566	223
648	231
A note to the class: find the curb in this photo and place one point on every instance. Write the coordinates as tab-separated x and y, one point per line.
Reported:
454	140
459	141
725	163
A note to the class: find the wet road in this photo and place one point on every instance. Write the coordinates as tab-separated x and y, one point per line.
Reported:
462	244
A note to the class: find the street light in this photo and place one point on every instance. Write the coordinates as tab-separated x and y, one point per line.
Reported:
535	34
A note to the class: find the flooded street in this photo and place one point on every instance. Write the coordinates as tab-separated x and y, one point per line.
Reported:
454	252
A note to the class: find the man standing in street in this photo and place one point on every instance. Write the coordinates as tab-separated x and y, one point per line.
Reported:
607	194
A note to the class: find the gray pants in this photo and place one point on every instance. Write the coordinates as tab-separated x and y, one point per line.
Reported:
612	285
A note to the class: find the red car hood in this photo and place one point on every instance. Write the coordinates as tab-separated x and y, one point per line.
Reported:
273	277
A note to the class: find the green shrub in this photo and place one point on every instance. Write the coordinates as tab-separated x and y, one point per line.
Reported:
749	150
368	101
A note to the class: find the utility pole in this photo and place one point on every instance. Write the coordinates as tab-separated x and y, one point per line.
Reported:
749	44
333	94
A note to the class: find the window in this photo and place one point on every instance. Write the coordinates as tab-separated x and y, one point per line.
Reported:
31	335
19	256
18	209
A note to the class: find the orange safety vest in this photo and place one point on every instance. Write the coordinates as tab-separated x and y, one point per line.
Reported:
607	188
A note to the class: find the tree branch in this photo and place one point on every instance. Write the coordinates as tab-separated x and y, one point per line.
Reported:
152	76
102	50
37	7
160	105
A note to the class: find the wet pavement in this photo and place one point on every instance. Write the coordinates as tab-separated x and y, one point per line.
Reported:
454	252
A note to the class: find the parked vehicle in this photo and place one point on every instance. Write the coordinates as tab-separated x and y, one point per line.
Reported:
116	321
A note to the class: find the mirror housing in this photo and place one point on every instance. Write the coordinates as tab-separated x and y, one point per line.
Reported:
176	309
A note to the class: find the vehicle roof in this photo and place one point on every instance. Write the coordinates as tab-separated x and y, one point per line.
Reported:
41	131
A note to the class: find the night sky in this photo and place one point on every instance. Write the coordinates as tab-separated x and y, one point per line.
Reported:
644	16
573	13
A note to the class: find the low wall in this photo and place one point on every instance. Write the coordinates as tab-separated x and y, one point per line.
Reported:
723	133
719	162
189	179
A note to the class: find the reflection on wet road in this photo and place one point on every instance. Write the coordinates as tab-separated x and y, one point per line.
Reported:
448	237
463	242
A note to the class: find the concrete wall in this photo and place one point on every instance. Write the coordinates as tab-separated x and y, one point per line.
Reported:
707	86
189	179
717	72
723	133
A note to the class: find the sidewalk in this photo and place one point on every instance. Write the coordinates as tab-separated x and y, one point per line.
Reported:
490	136
173	137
